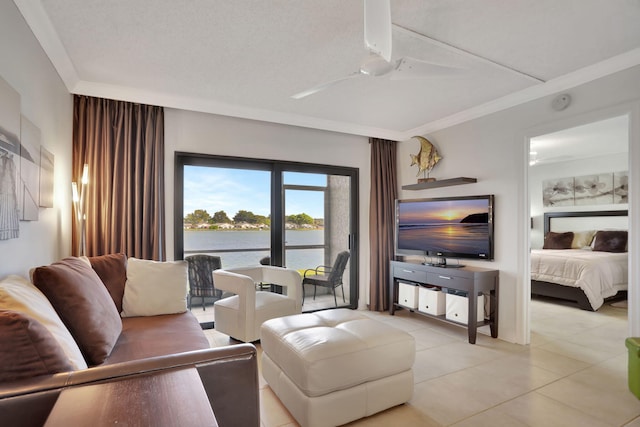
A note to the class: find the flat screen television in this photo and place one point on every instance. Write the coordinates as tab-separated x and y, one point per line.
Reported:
448	227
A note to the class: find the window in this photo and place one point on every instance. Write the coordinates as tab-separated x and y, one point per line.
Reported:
261	211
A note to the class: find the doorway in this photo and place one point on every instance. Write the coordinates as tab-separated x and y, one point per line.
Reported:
590	145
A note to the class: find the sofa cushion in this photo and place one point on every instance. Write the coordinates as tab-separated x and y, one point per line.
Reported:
84	305
149	336
28	348
18	294
155	288
112	270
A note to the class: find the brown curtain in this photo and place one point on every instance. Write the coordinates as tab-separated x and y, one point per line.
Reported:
384	191
123	144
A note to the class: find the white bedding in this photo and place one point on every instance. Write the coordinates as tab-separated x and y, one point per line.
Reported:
599	274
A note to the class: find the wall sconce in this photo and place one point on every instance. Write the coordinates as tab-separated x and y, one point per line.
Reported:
79	204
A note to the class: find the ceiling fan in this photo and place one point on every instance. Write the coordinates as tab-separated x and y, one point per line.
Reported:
377	40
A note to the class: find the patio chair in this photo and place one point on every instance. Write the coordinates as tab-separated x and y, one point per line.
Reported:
327	277
201	268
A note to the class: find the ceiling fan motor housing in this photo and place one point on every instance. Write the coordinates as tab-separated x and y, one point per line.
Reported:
376	66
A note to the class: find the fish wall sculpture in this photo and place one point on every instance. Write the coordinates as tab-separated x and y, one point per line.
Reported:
427	157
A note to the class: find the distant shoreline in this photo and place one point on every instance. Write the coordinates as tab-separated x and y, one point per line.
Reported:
250	229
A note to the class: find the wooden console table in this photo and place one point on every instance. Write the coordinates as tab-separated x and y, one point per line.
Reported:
471	280
174	398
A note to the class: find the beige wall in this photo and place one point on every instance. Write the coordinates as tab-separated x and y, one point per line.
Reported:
48	105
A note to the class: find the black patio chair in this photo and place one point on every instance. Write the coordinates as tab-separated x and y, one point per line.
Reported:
201	284
327	277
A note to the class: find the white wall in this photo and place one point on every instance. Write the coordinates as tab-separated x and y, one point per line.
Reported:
541	172
494	150
48	105
211	134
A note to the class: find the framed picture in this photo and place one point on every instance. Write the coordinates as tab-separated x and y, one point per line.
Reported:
558	192
46	178
29	191
9	161
621	187
594	189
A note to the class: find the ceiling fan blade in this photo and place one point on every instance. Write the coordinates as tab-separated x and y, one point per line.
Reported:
323	86
377	27
411	68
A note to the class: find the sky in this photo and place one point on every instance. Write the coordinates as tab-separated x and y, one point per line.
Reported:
441	211
231	190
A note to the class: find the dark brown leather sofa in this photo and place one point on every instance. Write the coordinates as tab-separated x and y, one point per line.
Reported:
146	345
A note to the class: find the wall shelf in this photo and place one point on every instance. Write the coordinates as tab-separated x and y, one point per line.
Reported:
441	183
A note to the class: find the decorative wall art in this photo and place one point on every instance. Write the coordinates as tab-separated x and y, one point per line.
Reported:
9	161
596	189
426	158
29	192
26	168
621	187
558	192
593	189
46	178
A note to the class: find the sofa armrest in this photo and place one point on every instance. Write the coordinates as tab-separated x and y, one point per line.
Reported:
229	376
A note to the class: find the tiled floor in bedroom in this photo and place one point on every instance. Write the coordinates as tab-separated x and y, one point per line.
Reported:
574	373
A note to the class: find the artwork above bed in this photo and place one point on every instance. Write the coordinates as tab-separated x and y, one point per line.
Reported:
597	189
584	257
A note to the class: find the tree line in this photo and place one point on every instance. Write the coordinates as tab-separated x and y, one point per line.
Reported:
201	216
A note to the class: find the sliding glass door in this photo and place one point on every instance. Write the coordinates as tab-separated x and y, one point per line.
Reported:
317	228
251	212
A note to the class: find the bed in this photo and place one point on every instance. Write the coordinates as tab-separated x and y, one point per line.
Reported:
585	257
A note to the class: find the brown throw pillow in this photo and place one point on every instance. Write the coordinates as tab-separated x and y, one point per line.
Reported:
84	305
610	241
112	270
28	349
558	240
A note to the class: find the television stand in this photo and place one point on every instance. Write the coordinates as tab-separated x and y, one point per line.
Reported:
471	280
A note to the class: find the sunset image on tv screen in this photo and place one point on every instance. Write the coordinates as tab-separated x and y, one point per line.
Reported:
447	226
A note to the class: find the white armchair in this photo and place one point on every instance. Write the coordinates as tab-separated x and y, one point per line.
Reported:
240	316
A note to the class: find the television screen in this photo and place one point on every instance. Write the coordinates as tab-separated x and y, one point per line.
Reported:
456	227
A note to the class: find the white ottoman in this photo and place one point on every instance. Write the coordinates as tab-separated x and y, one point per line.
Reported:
336	366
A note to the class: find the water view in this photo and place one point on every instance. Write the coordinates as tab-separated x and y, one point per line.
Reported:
211	241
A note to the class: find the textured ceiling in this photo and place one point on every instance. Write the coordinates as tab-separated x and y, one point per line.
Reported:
246	58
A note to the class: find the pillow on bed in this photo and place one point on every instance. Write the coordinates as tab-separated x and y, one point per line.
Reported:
582	239
558	240
610	241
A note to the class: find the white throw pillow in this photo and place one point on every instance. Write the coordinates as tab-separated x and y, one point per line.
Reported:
17	294
582	239
155	287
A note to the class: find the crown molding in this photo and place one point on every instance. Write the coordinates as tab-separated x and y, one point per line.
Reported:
44	31
203	105
584	75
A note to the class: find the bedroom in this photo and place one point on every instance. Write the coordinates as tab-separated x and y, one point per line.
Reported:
573	198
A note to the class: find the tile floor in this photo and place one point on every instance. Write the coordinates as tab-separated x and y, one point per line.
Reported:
573	374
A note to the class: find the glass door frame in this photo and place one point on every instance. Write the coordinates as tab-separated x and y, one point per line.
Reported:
277	169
